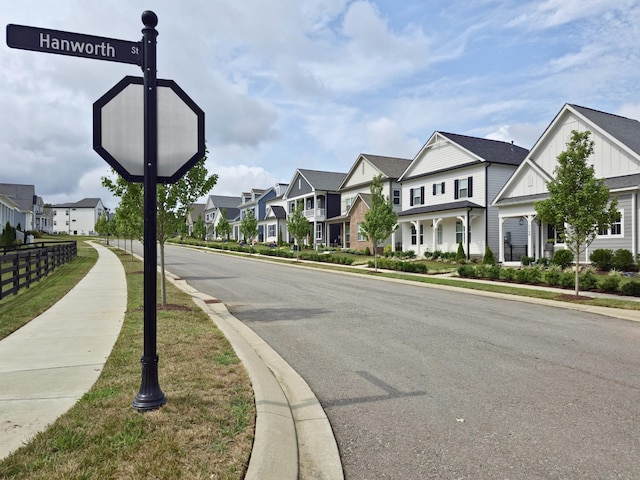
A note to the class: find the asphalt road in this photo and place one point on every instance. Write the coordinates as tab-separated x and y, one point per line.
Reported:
423	383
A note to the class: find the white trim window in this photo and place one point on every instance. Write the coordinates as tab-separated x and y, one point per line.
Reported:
459	232
271	230
319	231
362	237
396	197
614	230
439	234
463	188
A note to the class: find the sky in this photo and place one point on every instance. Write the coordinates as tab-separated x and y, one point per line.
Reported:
290	84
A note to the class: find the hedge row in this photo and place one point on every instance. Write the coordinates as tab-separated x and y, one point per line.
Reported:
553	277
399	265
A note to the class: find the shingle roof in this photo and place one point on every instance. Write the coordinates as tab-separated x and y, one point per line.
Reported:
197	209
494	151
439	208
84	203
327	181
22	195
624	129
279	211
392	167
222	201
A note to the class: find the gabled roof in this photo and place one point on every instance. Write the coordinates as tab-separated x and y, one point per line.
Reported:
278	211
22	195
197	209
223	201
327	181
364	197
84	203
494	151
482	149
626	130
389	167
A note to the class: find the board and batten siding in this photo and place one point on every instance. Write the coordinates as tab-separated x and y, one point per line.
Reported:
299	187
440	156
608	160
497	176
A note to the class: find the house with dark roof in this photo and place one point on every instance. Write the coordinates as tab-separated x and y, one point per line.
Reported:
196	211
77	218
448	190
273	223
213	212
615	158
29	205
356	188
318	193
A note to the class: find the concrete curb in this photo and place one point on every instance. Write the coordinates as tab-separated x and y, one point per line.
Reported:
293	437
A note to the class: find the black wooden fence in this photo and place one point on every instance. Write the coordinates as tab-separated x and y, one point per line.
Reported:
23	265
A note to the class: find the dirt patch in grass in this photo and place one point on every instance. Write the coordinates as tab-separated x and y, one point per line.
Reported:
566	297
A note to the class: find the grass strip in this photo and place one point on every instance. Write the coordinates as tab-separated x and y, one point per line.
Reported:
204	431
28	303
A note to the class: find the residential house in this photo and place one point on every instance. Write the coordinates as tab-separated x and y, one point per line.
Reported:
254	202
28	207
273	224
448	190
213	212
616	159
77	218
355	197
9	211
196	211
318	192
44	216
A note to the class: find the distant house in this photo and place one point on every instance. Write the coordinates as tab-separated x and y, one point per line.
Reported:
318	192
213	211
30	206
9	211
448	190
196	211
77	218
616	159
355	197
274	223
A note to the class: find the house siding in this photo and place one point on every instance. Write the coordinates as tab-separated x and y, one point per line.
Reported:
304	189
442	155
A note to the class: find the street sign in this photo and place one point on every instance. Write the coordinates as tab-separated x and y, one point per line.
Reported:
74	44
118	130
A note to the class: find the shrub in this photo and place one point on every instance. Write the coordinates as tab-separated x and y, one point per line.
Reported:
493	272
567	279
587	280
526	260
508	273
489	258
460	255
622	259
543	262
562	258
521	275
467	271
481	270
367	251
533	275
399	265
387	252
631	288
610	283
601	258
552	276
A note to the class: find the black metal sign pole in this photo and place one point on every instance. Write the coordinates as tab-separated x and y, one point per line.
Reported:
150	396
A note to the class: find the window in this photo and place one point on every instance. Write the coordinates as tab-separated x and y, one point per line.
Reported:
292	207
319	231
361	235
463	188
416	196
421	234
413	235
614	229
396	197
439	234
438	188
348	202
271	231
459	232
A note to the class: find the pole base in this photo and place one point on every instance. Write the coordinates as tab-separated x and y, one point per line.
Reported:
150	397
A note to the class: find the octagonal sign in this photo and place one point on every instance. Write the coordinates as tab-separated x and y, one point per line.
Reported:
118	130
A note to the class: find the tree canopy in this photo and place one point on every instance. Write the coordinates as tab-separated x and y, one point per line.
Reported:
298	226
579	205
249	226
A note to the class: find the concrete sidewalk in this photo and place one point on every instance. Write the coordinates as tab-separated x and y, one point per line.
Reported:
48	364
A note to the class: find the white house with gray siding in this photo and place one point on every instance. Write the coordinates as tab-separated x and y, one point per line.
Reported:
447	192
616	159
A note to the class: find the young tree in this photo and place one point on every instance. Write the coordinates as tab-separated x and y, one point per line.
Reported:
199	229
8	238
102	226
172	202
249	227
224	227
578	204
381	220
299	227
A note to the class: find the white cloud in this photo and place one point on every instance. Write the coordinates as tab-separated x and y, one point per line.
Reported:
233	180
386	137
630	110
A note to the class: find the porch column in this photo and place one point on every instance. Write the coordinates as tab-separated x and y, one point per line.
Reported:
530	252
501	221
